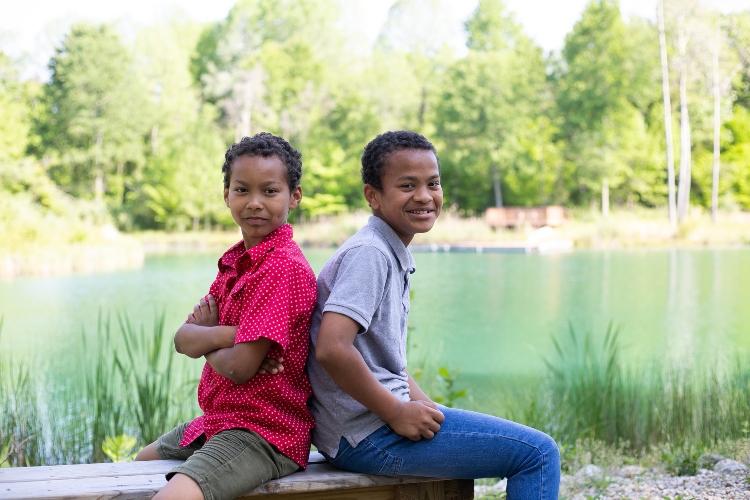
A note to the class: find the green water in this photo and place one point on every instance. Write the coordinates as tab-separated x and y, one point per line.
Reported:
487	314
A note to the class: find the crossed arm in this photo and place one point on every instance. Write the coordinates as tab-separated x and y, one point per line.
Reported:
335	351
203	336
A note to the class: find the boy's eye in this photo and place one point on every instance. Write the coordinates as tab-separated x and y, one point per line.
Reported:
240	190
271	190
435	184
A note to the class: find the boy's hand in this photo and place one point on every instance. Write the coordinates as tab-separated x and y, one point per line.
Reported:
205	313
416	420
271	365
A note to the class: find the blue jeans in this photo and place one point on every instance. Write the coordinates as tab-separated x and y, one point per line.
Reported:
468	445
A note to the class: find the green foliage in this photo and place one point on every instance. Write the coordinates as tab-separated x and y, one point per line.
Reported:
591	394
21	441
447	387
142	126
682	460
147	370
120	448
14	105
89	132
489	116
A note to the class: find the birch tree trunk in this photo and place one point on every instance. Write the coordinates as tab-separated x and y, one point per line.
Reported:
496	184
605	197
683	191
667	114
717	130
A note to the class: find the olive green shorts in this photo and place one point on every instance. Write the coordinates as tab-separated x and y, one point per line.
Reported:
230	464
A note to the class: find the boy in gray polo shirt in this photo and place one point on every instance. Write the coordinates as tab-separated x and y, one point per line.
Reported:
371	416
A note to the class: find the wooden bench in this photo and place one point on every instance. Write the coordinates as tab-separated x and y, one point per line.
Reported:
141	480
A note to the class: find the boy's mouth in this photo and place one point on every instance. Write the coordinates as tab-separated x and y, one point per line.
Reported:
421	212
255	220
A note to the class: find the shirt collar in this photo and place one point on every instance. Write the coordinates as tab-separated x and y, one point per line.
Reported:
279	237
403	255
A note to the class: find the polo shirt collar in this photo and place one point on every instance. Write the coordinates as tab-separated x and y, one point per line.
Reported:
403	255
280	237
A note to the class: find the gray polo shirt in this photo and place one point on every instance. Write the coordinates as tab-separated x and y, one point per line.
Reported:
367	279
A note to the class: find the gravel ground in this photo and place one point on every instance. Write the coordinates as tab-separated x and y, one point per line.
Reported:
707	485
730	480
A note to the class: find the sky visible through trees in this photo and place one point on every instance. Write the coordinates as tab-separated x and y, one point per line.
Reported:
136	124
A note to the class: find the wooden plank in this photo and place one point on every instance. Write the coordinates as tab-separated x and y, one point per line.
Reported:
322	477
44	473
16	474
374	493
459	489
317	477
141	487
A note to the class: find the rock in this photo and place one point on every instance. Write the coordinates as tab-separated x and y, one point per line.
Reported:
630	471
708	460
728	466
588	473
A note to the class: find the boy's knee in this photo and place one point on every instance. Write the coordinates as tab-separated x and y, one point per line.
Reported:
549	449
148	453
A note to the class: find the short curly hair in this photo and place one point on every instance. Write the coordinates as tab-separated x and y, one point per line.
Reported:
378	149
265	144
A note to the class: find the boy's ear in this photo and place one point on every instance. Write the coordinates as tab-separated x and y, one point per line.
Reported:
372	195
296	198
226	197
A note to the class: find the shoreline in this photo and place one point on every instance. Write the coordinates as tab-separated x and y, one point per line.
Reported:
76	258
622	230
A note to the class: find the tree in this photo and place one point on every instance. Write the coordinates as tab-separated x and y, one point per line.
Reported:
16	122
599	86
488	109
90	133
262	64
180	183
672	202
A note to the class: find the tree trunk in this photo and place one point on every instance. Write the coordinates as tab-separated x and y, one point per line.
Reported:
605	197
496	184
667	114
98	169
717	133
683	194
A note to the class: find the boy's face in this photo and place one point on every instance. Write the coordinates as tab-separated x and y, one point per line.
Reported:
411	198
258	196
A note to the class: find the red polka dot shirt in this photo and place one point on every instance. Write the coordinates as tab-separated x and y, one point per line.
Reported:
267	291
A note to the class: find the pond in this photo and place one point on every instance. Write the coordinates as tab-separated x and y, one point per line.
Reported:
489	315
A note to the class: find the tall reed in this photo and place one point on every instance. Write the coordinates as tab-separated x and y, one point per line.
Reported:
146	368
590	393
21	440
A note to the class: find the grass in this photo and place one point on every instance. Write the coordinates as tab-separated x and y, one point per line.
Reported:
588	393
600	410
125	386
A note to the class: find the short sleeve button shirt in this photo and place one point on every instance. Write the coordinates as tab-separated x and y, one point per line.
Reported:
267	291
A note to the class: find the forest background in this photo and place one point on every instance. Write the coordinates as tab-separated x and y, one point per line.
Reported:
131	133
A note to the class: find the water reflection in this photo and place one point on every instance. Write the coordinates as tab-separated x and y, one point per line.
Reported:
486	313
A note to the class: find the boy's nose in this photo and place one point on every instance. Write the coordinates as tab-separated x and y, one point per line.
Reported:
253	202
422	194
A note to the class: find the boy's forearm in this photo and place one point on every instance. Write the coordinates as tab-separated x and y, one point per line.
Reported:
196	341
350	372
415	392
240	362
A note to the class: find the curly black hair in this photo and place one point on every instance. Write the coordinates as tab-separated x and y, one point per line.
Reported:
265	144
378	149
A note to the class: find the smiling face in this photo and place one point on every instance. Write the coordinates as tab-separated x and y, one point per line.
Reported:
258	196
411	197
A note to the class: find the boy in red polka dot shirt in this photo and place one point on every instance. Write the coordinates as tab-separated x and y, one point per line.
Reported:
255	424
